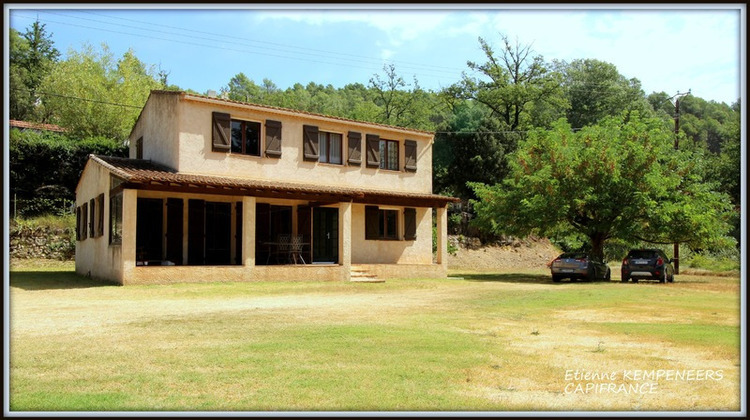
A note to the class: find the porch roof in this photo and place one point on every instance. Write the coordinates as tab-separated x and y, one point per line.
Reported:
147	175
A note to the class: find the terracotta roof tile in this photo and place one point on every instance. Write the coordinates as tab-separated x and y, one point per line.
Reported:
35	126
138	171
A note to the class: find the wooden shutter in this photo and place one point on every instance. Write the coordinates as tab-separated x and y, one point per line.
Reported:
174	230
410	155
222	139
310	142
78	223
373	151
92	218
372	222
100	215
84	220
273	138
196	232
355	149
410	224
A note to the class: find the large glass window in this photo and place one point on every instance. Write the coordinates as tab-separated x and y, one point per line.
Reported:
330	147
389	154
246	137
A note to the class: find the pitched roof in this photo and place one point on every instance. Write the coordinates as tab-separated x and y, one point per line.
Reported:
147	175
35	126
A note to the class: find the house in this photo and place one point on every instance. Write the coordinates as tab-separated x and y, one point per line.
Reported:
219	190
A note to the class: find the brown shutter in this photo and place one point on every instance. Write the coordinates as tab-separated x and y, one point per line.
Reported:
310	142
373	151
372	222
78	223
84	220
355	148
100	217
410	224
273	138
222	140
92	218
410	155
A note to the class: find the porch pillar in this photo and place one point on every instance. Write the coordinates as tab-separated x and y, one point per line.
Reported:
248	232
442	236
129	225
345	241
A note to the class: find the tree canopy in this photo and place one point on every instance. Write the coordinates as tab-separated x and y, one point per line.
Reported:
620	179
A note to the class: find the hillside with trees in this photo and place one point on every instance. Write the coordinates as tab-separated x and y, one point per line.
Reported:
571	150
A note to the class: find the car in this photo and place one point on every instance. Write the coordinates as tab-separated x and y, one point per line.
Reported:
579	265
647	264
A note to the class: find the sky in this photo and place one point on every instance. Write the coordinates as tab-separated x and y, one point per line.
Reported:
669	48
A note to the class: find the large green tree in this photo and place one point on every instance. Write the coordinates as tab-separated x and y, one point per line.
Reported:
93	94
595	89
31	57
620	179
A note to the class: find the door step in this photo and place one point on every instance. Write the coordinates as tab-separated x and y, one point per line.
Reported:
362	275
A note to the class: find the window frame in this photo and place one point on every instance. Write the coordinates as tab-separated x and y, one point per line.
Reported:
381	231
243	141
385	162
325	137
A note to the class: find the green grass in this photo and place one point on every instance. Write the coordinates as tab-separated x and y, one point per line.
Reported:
67	221
487	341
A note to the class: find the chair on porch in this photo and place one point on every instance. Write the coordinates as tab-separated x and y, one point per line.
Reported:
295	249
282	249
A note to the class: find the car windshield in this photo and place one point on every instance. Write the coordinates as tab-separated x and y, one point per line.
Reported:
642	254
573	255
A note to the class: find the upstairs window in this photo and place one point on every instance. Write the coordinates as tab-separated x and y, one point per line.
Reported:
330	147
246	137
389	154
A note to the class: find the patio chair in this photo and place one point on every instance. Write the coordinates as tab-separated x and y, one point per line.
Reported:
295	249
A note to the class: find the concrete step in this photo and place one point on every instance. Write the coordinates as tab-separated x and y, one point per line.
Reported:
361	275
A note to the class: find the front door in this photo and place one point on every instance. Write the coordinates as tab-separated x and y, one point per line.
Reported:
325	240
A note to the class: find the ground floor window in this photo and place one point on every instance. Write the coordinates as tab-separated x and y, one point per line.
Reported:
381	223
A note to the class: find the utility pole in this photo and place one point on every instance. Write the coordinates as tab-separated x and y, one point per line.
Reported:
676	147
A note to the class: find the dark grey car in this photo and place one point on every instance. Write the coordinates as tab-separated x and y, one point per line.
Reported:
578	265
647	264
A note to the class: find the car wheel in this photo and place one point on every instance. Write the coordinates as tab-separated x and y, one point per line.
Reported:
556	279
625	279
671	278
663	278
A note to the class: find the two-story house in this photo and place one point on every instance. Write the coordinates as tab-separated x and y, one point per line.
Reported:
219	190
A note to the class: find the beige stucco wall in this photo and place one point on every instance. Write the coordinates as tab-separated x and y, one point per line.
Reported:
418	251
405	271
196	156
94	256
158	125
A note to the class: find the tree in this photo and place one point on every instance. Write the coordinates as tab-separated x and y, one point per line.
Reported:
400	103
93	95
595	89
618	179
512	83
32	56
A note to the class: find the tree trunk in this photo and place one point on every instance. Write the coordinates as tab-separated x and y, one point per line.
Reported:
597	246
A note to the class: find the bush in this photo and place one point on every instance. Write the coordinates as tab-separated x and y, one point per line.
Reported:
45	168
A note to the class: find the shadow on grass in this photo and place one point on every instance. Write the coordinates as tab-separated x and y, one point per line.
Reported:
53	280
515	278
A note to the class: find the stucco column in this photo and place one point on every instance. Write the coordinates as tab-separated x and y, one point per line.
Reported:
129	216
248	232
345	238
442	236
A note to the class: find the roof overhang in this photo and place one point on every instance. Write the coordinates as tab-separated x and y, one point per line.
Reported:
148	176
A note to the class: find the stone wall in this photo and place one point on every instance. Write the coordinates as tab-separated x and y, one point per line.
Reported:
42	242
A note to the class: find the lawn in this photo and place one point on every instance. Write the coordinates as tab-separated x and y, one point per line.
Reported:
504	341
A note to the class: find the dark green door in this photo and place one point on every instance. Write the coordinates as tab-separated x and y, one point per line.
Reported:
325	240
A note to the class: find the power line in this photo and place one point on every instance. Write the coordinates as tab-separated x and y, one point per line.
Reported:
340	64
76	98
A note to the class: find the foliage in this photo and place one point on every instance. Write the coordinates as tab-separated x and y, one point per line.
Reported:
45	168
595	89
619	179
93	94
512	83
32	55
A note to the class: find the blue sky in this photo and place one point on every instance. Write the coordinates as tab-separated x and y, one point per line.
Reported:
696	47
